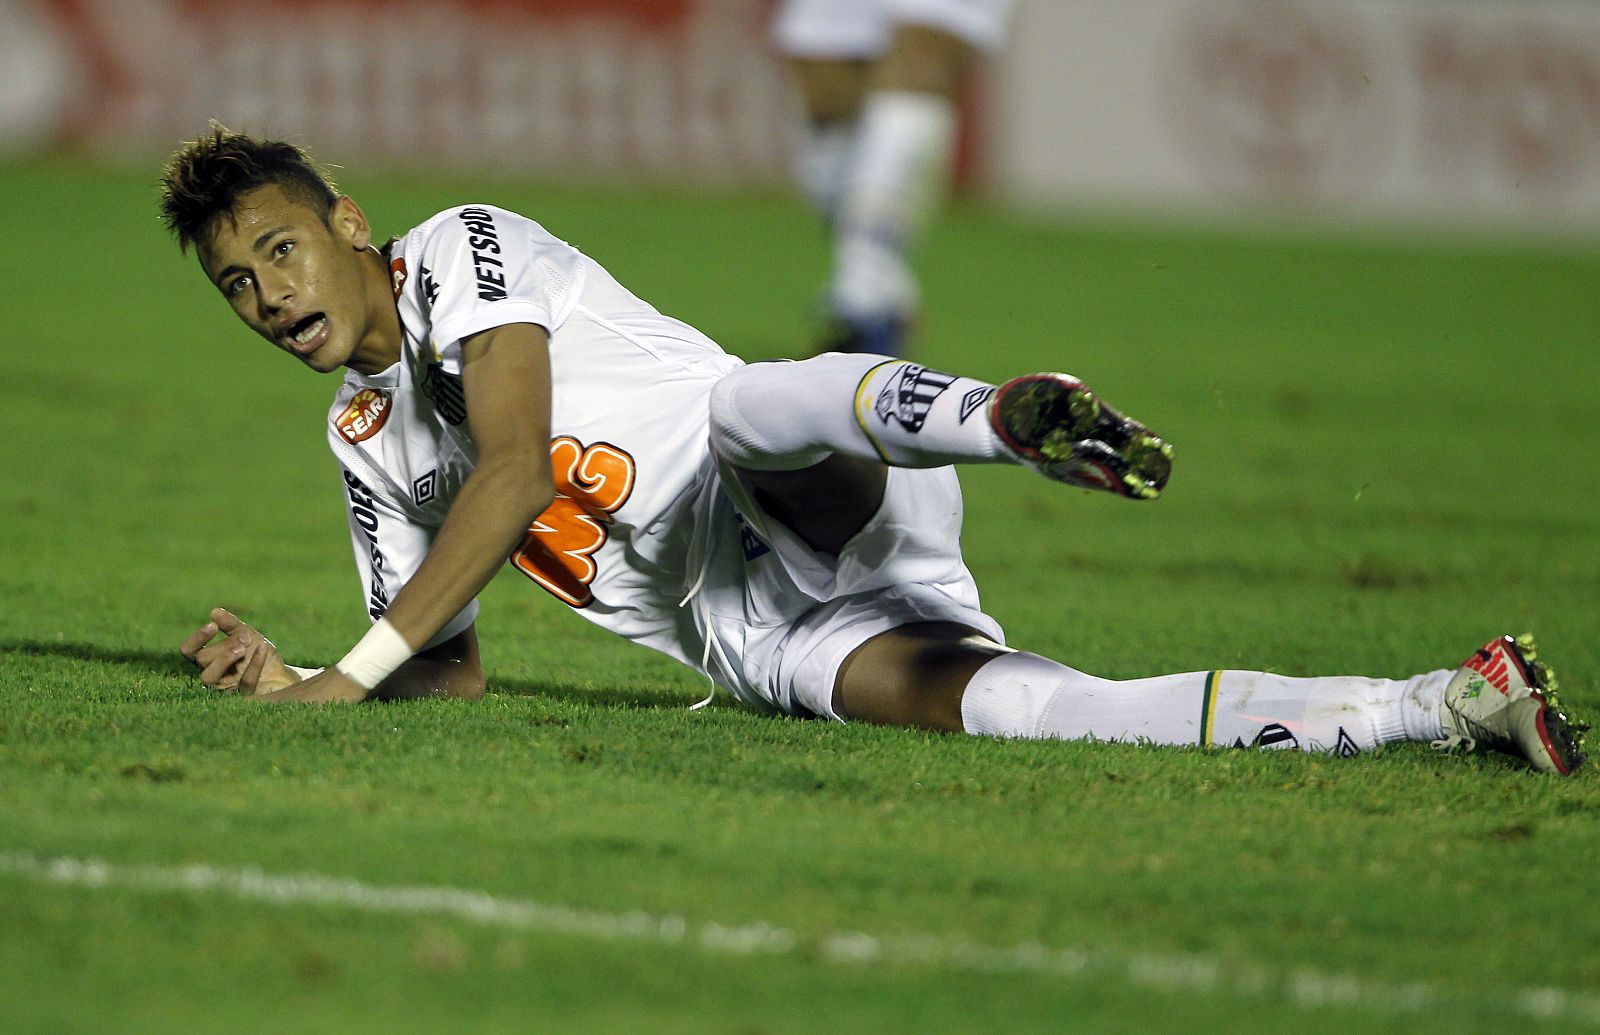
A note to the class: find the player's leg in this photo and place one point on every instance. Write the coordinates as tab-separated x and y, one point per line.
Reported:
947	677
906	643
824	504
789	416
914	675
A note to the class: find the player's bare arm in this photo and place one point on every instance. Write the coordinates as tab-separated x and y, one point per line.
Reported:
233	656
506	377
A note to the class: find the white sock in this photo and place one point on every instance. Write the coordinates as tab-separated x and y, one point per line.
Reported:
1025	695
896	181
823	160
787	416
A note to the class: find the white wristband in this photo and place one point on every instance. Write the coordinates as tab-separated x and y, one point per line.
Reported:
379	653
303	673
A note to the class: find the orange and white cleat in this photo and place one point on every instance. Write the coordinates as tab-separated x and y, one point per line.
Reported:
1504	698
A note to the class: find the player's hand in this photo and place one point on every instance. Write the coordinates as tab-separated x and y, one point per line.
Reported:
329	685
241	660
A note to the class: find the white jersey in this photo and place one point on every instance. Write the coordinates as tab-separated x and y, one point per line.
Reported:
629	448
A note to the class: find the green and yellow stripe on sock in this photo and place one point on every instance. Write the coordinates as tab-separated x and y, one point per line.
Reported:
1208	708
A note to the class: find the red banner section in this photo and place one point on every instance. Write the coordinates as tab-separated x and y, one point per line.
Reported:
685	89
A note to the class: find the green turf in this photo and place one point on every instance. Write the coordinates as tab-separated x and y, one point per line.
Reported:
1385	456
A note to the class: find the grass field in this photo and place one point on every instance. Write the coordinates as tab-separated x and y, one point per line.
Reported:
1385	457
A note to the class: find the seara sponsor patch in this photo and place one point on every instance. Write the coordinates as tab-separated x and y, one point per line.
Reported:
365	415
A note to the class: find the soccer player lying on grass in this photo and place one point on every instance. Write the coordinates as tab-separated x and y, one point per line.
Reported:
788	529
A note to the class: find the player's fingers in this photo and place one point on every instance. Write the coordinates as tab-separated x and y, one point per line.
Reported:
216	671
211	651
192	644
226	620
233	679
251	674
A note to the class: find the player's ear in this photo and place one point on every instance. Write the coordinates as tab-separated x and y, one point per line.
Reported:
349	223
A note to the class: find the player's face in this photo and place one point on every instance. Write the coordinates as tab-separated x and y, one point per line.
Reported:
303	284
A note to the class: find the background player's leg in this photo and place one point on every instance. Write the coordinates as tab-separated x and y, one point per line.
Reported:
894	183
831	91
831	47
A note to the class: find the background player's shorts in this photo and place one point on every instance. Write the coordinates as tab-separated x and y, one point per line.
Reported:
848	29
780	619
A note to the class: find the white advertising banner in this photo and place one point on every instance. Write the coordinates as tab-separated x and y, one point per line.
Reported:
1464	111
679	89
1457	112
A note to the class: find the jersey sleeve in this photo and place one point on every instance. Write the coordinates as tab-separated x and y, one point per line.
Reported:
389	549
485	267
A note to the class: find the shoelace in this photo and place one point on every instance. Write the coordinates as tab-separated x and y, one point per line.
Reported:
701	555
1475	731
703	619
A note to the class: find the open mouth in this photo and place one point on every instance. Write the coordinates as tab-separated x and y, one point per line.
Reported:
307	333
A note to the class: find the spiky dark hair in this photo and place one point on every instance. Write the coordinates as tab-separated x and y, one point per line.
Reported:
206	177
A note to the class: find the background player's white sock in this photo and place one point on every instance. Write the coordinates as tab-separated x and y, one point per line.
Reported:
1025	695
823	161
896	180
787	416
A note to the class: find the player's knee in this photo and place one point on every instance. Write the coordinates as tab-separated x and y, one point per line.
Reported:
914	675
925	59
831	89
733	438
759	421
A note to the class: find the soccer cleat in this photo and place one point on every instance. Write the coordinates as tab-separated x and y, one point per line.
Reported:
1504	698
1054	424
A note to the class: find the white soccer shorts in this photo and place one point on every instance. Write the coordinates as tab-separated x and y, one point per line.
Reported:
781	619
849	29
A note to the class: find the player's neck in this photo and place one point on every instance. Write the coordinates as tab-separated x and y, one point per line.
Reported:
379	347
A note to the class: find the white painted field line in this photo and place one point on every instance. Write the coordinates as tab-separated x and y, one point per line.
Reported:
1161	972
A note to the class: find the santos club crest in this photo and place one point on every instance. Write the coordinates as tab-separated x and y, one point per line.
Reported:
909	397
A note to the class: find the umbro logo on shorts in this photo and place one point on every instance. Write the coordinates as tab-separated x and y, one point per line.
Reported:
749	542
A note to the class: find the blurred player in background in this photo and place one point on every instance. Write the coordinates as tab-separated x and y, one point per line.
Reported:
881	82
791	530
